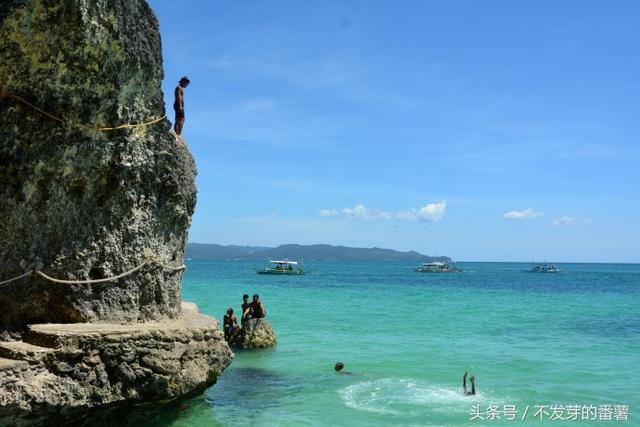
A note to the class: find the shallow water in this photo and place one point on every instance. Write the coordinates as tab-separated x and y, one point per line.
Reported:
571	338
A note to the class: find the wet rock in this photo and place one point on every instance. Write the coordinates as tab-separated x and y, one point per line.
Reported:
256	333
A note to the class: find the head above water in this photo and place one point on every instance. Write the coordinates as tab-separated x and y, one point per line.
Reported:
229	310
339	366
245	297
184	81
256	297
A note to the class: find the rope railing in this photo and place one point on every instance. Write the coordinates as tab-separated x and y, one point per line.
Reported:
92	281
79	125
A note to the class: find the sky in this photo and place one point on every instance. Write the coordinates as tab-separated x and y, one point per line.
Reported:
484	131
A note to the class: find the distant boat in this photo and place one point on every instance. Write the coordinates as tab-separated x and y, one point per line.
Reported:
544	268
437	267
281	267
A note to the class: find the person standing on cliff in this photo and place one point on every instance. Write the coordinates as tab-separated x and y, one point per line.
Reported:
178	104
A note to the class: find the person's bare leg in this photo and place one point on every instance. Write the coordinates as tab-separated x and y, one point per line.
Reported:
179	125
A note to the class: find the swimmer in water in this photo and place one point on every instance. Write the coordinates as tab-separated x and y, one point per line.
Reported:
339	368
464	385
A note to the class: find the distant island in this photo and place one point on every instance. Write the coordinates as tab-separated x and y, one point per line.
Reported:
295	252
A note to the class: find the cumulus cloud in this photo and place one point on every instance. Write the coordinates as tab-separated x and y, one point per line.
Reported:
525	214
431	212
328	212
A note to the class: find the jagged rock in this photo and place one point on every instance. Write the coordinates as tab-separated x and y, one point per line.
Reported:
79	203
91	365
256	333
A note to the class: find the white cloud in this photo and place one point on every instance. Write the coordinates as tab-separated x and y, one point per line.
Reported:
525	214
570	220
431	212
565	220
328	212
362	212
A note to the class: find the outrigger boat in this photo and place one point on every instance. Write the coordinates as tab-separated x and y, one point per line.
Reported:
544	268
281	267
437	267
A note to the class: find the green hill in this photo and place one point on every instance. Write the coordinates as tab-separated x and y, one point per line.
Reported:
303	252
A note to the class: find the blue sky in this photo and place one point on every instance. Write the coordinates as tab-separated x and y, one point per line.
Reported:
493	130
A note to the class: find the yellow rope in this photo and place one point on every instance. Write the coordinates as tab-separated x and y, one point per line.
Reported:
80	125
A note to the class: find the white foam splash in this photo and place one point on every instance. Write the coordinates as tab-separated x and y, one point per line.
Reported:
397	396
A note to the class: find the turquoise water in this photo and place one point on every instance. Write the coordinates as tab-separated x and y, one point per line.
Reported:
530	339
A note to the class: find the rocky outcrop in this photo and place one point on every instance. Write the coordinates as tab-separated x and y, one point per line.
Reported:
79	203
255	333
64	370
83	199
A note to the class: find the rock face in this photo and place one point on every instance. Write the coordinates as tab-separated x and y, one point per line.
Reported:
256	333
82	203
66	369
78	203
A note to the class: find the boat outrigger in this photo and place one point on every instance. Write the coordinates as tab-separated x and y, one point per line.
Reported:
544	268
437	267
281	267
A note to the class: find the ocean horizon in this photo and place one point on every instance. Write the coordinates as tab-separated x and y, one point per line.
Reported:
535	343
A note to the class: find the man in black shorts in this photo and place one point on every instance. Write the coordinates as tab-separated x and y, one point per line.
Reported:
178	105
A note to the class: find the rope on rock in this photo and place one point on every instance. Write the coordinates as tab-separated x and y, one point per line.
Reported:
80	125
28	273
171	268
91	281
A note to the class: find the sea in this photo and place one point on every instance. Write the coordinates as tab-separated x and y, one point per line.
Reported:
545	348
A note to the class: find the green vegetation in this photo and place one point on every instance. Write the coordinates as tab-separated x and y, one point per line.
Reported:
304	252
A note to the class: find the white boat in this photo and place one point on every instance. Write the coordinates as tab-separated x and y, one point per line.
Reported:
281	267
437	267
544	268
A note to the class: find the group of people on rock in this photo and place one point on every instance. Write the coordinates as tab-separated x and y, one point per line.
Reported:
250	310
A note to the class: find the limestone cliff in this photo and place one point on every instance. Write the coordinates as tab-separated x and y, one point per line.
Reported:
79	203
82	202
